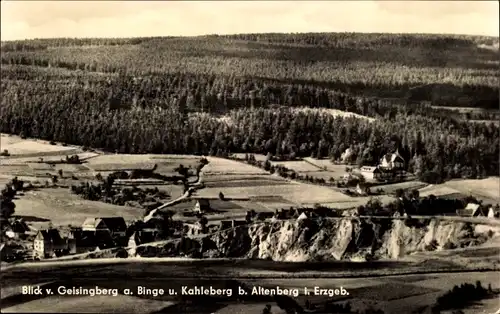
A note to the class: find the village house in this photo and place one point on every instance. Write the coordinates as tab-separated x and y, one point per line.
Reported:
17	229
82	241
48	243
116	226
392	162
371	173
472	210
202	206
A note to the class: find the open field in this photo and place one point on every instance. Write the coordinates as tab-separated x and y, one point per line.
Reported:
121	166
221	166
55	158
258	157
90	304
62	207
487	189
245	183
295	192
297	166
409	185
325	164
17	146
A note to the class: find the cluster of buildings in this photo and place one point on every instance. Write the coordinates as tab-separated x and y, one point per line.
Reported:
94	234
477	210
390	167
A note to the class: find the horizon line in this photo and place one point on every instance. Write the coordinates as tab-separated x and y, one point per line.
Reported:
252	33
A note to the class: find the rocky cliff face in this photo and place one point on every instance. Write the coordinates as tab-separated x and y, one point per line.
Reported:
338	239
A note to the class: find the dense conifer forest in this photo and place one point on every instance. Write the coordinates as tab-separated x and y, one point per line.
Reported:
246	93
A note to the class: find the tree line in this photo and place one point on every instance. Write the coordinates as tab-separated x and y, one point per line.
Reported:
81	115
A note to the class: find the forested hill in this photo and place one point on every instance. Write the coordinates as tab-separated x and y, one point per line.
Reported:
246	93
447	70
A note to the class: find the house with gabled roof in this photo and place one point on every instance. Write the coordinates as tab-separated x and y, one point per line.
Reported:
392	161
82	241
116	226
48	243
472	210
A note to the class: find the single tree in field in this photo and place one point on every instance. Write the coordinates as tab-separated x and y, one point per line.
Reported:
60	172
221	196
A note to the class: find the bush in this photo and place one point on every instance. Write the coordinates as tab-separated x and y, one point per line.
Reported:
432	246
449	246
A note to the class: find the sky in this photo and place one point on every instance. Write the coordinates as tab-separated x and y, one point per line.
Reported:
48	19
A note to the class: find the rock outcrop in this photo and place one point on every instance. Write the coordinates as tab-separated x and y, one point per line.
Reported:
347	238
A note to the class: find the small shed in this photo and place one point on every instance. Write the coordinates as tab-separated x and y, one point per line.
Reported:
491	212
202	205
302	216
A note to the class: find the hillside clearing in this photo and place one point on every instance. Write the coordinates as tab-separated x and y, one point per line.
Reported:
333	113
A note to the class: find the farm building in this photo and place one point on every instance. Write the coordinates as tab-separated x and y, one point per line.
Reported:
472	210
81	242
392	161
116	226
202	205
371	173
48	243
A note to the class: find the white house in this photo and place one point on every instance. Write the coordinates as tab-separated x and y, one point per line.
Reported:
392	161
370	173
47	243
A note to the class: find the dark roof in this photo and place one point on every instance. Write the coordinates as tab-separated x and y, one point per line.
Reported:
84	239
20	226
51	235
203	202
115	223
90	239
